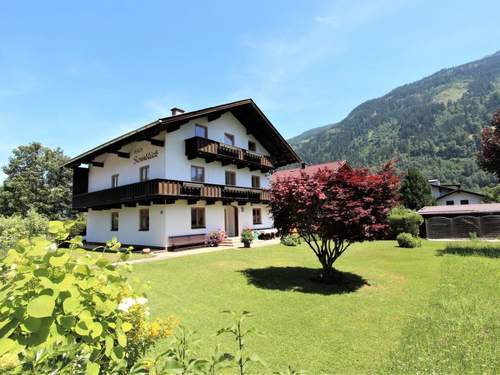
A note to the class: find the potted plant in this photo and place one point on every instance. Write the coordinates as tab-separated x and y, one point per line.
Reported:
247	236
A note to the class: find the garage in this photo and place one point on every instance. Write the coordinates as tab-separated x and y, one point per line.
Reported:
462	221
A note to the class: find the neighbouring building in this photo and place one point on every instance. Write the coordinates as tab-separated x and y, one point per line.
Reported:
335	166
174	180
459	221
453	194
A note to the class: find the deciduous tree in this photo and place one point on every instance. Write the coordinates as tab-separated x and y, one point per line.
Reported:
35	180
489	155
332	210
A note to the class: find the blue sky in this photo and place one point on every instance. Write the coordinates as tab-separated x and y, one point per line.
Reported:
75	74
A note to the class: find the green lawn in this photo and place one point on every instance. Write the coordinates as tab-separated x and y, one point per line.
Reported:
405	311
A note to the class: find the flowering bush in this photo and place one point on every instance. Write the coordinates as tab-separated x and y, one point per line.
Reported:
216	237
63	311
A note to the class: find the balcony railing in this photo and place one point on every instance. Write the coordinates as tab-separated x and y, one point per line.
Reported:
210	150
166	191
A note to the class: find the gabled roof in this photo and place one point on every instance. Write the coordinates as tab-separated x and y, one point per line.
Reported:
460	191
483	208
246	111
335	166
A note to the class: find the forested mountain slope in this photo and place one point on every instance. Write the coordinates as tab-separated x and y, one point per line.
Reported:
434	124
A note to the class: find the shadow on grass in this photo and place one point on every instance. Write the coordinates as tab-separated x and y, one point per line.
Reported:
301	279
484	250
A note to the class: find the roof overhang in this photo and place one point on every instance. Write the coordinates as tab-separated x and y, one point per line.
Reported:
246	111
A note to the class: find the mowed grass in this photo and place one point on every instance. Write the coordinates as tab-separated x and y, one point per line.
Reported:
405	310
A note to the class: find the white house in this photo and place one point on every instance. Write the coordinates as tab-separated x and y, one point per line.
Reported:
453	194
174	180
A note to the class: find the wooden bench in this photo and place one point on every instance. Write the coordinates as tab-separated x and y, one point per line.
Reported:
188	240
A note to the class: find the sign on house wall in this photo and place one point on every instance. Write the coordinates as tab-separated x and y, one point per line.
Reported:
139	155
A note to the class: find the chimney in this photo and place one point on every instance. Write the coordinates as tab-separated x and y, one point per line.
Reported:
303	165
177	111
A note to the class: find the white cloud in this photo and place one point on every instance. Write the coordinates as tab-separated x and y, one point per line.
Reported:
277	62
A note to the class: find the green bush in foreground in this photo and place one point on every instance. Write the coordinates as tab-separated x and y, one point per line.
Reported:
407	240
403	220
76	314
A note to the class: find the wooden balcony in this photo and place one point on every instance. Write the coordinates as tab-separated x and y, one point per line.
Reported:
166	192
210	150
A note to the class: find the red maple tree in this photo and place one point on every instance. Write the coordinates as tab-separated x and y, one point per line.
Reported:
489	155
331	210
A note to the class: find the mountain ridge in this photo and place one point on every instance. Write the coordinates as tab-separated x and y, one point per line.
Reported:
433	123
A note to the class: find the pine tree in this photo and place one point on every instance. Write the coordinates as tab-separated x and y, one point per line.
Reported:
415	190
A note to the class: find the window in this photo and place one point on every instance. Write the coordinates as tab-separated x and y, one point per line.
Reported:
229	139
144	173
197	217
144	219
230	178
197	174
257	217
114	181
252	146
256	182
464	201
450	203
200	131
114	221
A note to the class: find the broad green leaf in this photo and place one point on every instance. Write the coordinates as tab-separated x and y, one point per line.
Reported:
109	342
122	339
41	307
67	321
56	227
126	326
82	329
32	324
8	345
92	368
96	330
71	305
59	261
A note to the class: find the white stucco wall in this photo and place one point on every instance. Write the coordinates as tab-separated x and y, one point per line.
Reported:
178	167
127	169
458	196
99	226
167	221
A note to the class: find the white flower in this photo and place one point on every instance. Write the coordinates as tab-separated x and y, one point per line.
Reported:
13	266
128	302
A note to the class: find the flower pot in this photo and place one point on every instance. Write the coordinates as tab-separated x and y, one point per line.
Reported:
246	244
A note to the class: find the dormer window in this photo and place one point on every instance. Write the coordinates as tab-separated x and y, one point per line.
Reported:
252	146
229	139
200	131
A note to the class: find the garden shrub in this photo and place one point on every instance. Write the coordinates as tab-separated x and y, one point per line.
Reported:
77	313
13	228
408	240
290	240
404	220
